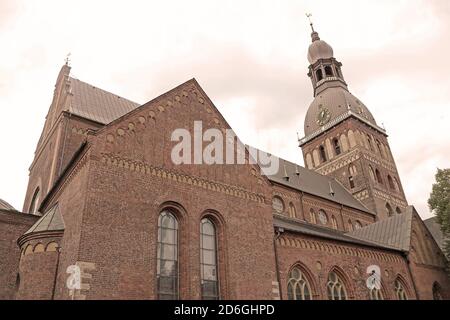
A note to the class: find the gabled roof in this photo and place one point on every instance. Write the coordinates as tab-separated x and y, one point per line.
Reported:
435	230
51	221
394	232
96	104
302	227
316	184
104	107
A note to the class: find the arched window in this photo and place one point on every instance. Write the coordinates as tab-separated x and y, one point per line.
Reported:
352	170
369	142
312	216
323	155
376	294
337	147
319	75
35	201
338	71
351	181
389	210
398	210
379	149
396	185
292	211
378	175
335	287
328	71
400	291
391	183
298	286
334	222
167	257
437	295
358	225
350	225
208	260
372	174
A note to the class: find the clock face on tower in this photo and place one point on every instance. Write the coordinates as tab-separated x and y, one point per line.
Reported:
323	117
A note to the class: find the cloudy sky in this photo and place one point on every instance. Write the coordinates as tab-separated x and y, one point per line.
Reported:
249	56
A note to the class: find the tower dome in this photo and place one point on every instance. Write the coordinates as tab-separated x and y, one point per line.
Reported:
319	49
332	103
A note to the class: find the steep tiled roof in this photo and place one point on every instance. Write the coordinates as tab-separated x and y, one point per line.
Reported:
394	232
317	231
96	104
51	221
316	184
435	230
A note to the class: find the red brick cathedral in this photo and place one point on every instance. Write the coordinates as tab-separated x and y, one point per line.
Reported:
109	215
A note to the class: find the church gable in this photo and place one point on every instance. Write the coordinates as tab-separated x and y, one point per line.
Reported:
424	248
183	133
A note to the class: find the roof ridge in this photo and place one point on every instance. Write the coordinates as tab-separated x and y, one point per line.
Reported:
104	90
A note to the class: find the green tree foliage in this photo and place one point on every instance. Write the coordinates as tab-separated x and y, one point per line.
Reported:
439	202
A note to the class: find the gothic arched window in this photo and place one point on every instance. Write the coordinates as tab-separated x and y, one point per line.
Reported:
352	170
376	294
323	155
208	260
35	201
372	174
292	211
369	142
391	182
319	75
337	147
400	291
389	210
396	185
380	151
298	286
167	257
437	295
334	222
335	287
350	225
312	216
398	210
379	178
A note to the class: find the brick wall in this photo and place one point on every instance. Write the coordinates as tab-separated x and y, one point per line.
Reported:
12	226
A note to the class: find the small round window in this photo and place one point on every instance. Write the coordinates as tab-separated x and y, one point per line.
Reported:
323	217
278	205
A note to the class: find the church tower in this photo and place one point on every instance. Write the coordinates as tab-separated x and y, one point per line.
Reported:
343	140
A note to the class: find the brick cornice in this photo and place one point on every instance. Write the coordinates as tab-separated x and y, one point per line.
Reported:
203	183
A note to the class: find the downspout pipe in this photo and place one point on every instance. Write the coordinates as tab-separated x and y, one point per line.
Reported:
278	233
